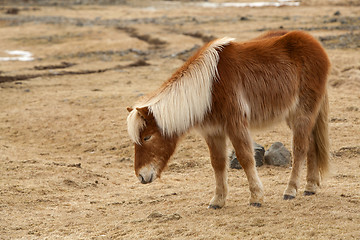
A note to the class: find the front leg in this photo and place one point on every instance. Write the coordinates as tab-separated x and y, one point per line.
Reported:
242	143
217	148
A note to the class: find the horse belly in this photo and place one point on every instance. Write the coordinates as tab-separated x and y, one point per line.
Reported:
268	116
272	104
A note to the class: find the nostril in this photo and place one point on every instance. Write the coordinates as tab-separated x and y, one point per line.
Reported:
142	179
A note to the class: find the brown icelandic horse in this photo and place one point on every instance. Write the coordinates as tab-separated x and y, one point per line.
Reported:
228	88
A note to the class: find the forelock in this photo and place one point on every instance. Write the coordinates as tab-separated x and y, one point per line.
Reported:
135	124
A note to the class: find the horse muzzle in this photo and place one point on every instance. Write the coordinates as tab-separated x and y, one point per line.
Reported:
147	174
146	179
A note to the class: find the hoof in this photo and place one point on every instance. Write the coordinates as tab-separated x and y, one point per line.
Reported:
308	193
255	204
214	207
288	197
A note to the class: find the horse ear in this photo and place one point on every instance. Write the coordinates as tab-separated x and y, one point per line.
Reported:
144	112
129	109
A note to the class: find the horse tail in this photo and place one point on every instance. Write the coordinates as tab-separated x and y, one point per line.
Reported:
321	138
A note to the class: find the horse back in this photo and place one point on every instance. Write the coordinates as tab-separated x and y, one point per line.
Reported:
265	79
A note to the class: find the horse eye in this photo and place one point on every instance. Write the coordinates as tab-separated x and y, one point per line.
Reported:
147	138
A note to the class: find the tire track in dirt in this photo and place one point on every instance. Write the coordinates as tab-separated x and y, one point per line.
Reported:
153	42
80	22
203	37
137	52
58	66
21	77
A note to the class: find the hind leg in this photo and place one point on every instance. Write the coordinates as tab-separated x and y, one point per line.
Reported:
301	127
244	152
217	148
313	173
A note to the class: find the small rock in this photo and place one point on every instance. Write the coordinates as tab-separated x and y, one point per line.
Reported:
337	13
259	152
12	11
163	218
155	215
332	20
174	216
70	183
277	155
234	163
352	108
76	165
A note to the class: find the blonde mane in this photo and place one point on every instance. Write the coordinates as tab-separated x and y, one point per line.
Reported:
185	101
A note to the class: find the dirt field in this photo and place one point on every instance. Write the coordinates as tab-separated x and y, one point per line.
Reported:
66	160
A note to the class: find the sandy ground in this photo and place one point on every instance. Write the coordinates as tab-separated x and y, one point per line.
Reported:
66	160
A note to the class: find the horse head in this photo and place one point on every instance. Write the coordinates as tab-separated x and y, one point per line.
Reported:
153	149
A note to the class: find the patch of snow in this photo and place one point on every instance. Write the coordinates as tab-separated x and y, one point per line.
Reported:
20	56
278	3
